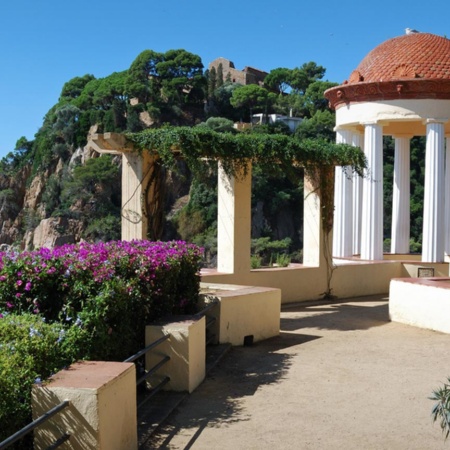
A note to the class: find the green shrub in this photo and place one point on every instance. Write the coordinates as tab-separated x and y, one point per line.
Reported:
29	349
255	261
283	260
268	249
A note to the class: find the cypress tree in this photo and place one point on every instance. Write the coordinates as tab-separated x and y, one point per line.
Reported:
219	81
212	81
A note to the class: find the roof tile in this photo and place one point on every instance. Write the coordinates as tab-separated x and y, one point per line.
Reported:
425	55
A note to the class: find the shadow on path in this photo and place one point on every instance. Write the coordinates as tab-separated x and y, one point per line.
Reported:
336	316
219	399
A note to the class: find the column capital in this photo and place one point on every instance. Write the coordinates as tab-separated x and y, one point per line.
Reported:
435	120
403	135
352	129
380	123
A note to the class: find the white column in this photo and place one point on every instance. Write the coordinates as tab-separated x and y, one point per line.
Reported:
433	205
372	209
400	230
358	141
342	221
233	222
447	197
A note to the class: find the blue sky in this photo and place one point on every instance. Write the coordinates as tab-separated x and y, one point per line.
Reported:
45	43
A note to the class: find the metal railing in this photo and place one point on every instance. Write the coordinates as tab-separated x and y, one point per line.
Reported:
39	421
148	373
210	320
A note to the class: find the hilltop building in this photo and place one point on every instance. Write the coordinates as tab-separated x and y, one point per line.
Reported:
249	75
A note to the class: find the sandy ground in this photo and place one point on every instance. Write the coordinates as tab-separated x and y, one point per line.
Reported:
339	376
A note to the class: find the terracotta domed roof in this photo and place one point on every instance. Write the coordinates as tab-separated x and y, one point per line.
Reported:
411	66
416	55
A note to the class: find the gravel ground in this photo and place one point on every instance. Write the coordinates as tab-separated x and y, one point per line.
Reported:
339	376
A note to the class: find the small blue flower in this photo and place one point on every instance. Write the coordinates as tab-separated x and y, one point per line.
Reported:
61	336
34	332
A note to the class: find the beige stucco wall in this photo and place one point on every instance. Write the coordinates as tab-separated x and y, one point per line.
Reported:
298	283
410	270
350	279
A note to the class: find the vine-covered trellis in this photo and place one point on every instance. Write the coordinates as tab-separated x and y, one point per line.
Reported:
201	146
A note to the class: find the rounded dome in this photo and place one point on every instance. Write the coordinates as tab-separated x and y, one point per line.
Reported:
412	66
416	55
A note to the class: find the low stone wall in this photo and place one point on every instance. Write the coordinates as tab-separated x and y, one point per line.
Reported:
421	302
245	314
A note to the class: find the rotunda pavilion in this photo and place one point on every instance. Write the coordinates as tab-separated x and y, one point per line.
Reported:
401	89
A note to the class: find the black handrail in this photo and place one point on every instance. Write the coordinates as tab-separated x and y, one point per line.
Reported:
206	309
210	337
151	371
148	348
31	426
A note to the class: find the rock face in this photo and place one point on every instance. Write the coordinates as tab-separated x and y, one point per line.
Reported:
12	194
23	221
48	233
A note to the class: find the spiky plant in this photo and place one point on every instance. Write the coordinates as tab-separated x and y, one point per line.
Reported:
441	410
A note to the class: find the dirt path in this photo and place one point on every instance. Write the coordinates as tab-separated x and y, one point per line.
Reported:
340	376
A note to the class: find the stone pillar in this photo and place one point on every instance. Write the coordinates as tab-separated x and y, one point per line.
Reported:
447	198
102	410
136	172
342	222
234	222
433	205
400	196
358	141
313	251
186	349
372	210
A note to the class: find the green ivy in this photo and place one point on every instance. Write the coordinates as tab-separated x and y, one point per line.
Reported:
199	146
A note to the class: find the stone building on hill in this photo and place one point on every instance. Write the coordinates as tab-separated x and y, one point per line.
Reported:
249	75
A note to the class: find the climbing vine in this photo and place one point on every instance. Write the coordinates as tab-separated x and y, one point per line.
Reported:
200	147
